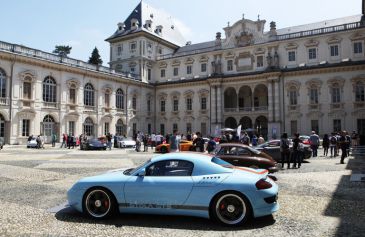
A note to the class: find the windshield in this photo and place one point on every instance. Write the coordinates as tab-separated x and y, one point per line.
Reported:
221	162
133	170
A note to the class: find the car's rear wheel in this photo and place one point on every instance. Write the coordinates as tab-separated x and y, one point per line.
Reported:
163	149
230	209
99	203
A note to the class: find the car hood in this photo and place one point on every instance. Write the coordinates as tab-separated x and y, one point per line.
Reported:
112	176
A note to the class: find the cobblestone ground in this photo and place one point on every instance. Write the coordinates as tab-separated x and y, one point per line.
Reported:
316	200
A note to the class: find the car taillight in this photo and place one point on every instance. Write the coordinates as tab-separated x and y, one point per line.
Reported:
262	184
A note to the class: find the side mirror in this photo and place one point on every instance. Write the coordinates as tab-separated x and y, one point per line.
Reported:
141	173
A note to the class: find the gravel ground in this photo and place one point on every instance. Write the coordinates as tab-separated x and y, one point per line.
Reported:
316	200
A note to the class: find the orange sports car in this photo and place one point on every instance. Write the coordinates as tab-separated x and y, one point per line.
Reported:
183	146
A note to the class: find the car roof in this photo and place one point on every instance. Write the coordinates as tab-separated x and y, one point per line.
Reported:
232	144
190	156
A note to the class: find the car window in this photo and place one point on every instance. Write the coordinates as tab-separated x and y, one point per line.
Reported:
170	168
241	151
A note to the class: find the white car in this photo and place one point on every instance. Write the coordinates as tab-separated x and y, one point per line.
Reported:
32	143
126	142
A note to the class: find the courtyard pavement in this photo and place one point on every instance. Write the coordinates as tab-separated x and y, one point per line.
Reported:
316	200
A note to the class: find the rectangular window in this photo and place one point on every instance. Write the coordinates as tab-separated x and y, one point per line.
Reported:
133	69
358	48
203	129
159	50
134	103
293	97
312	53
72	96
189	104
336	96
174	127
149	47
315	126
313	96
149	128
176	71
291	56
203	67
229	65
71	127
148	105
107	100
133	46
293	126
260	61
119	50
25	127
337	125
188	128
188	69
27	90
106	128
175	105
162	104
163	73
149	74
203	103
162	129
334	50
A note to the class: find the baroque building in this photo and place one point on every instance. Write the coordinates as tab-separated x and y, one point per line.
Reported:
296	79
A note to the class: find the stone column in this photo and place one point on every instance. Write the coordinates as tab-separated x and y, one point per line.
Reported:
271	101
276	100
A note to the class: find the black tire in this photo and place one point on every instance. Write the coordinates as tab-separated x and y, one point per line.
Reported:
230	209
163	149
99	203
104	148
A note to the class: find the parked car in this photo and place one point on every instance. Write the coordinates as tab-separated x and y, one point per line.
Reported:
184	145
272	148
32	143
241	155
306	141
190	184
124	142
93	144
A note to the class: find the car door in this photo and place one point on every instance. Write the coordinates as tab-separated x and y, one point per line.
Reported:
167	182
244	157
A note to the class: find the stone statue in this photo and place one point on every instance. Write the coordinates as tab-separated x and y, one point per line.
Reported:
276	60
269	60
216	66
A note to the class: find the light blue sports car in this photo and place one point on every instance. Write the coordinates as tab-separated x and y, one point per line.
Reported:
179	184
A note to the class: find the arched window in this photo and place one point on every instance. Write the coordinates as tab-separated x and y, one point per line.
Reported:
2	84
49	89
88	127
89	95
48	125
119	100
360	92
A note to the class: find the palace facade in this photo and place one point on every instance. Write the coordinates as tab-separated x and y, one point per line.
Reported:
296	79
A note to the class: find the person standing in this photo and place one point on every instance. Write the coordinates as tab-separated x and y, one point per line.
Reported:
314	141
211	145
199	143
325	144
64	140
54	138
354	139
333	145
343	145
145	143
254	140
295	154
174	142
284	150
348	143
109	140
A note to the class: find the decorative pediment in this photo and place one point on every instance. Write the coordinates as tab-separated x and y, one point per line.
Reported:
337	81
204	59
163	65
175	63
259	51
358	81
334	40
132	64
26	114
73	83
175	94
311	43
189	93
315	114
290	84
28	75
107	89
244	61
339	114
314	83
162	96
229	54
189	118
358	36
189	60
244	38
203	92
133	93
291	46
148	95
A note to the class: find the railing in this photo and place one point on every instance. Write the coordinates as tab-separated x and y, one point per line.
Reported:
4	101
89	108
245	109
313	107
22	50
261	108
325	30
293	107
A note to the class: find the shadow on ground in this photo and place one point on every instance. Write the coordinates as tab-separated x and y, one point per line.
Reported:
348	201
156	221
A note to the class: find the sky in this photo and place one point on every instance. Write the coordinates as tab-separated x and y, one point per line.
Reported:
85	24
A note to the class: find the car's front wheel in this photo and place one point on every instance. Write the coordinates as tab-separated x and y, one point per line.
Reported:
230	209
99	203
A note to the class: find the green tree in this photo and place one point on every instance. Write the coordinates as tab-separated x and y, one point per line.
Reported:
62	50
95	57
